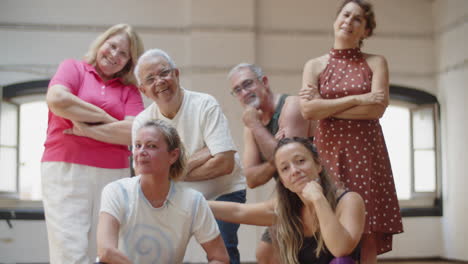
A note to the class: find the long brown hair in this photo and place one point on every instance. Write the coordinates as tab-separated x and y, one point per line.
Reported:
289	229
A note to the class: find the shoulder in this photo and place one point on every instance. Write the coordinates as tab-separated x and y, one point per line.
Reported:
200	96
291	106
291	99
70	64
350	199
200	100
187	198
375	61
316	64
127	182
121	186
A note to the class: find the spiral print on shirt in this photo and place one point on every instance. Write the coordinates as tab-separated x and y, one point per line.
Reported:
149	244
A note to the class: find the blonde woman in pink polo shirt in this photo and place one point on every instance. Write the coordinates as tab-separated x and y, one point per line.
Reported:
92	104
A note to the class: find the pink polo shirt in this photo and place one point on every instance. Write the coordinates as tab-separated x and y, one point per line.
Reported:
117	99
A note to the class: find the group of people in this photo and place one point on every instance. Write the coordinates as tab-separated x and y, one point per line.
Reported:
335	199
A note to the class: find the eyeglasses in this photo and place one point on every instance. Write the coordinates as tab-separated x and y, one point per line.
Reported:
245	85
161	75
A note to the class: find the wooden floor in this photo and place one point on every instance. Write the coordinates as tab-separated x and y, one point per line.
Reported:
413	261
420	261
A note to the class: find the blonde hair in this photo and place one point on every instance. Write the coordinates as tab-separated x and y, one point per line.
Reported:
136	49
289	229
173	141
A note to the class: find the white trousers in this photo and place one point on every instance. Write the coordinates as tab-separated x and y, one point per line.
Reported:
71	197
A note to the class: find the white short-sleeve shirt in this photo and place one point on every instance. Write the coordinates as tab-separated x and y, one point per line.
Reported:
201	123
158	235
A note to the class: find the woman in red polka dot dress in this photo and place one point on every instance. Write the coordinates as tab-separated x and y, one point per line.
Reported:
347	90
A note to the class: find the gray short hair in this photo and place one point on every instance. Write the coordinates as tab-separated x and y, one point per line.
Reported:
150	54
252	67
173	141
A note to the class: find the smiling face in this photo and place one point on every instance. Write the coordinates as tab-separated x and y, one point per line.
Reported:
296	166
159	81
248	89
151	152
113	55
350	24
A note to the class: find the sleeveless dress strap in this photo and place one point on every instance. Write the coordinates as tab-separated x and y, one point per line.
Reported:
341	196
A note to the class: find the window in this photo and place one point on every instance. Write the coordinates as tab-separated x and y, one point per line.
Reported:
410	126
9	148
22	133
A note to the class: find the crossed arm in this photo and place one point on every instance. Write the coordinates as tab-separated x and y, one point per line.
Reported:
203	166
368	106
88	119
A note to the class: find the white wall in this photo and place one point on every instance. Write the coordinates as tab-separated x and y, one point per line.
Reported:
451	34
423	40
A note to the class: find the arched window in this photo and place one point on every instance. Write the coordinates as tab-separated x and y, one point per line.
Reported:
411	129
23	127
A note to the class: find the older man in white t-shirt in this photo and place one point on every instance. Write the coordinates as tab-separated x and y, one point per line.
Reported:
213	167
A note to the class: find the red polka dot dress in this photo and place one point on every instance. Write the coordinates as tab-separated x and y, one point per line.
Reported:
354	151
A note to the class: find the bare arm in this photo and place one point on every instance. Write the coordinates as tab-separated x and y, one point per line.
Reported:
292	123
65	104
216	252
107	240
218	165
342	230
265	141
379	92
256	172
260	214
118	132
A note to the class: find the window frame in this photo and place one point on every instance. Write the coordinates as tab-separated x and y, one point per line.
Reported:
13	194
421	203
11	207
